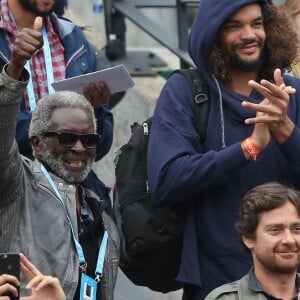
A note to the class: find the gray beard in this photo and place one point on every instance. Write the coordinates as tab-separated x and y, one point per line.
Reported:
57	166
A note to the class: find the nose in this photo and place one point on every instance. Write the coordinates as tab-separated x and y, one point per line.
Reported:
288	237
248	33
78	146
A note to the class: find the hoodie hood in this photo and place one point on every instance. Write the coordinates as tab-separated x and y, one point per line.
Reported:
210	16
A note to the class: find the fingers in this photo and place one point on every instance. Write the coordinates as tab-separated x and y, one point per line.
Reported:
40	281
266	113
281	84
97	95
27	268
38	24
6	278
42	287
278	77
46	287
277	95
261	120
8	284
273	109
28	41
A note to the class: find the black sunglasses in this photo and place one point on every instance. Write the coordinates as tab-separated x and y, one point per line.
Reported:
68	139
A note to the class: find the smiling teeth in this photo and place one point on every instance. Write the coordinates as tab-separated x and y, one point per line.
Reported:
75	163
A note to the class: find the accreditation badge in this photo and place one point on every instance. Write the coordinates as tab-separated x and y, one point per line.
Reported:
88	288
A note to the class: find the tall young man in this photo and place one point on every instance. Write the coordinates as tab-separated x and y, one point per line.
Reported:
240	48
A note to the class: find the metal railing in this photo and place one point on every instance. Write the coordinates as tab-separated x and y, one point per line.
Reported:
117	10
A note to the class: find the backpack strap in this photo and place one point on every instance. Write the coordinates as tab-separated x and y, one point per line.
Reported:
200	94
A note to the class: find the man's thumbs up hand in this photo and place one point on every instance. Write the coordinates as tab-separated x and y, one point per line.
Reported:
27	42
38	24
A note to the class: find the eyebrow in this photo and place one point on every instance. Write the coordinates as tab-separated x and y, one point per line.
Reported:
260	18
281	224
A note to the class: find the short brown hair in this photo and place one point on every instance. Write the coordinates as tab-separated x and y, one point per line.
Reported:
260	199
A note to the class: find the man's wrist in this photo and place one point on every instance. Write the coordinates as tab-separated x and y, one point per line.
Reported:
13	83
250	148
282	131
15	72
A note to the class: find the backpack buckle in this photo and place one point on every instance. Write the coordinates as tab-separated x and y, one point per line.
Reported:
201	98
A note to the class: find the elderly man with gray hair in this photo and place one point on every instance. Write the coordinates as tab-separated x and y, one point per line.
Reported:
45	210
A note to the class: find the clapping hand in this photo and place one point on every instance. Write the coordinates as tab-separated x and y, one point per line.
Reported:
272	111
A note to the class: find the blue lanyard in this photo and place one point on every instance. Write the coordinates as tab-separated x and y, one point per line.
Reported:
101	255
102	249
49	71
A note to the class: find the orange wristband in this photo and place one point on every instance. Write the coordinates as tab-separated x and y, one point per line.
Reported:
250	147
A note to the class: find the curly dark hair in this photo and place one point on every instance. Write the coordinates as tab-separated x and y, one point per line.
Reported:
281	47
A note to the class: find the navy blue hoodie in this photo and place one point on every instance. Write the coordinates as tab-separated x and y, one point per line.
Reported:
215	175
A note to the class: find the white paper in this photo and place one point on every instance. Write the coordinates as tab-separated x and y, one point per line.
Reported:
116	78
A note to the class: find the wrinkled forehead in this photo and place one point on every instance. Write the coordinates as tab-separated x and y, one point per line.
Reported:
71	119
286	214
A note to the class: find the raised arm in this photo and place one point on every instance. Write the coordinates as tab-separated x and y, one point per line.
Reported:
13	81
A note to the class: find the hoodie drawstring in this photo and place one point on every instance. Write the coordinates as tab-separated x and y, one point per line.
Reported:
221	111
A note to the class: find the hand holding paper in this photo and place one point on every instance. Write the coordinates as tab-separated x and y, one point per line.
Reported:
116	78
97	94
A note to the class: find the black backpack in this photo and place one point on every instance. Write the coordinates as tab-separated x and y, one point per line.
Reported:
151	237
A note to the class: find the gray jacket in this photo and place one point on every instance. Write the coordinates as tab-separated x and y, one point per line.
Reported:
237	290
32	220
243	289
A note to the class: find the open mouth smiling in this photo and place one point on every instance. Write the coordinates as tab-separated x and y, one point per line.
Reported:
75	163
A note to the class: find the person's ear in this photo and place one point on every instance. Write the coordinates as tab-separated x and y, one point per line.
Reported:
248	242
37	146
